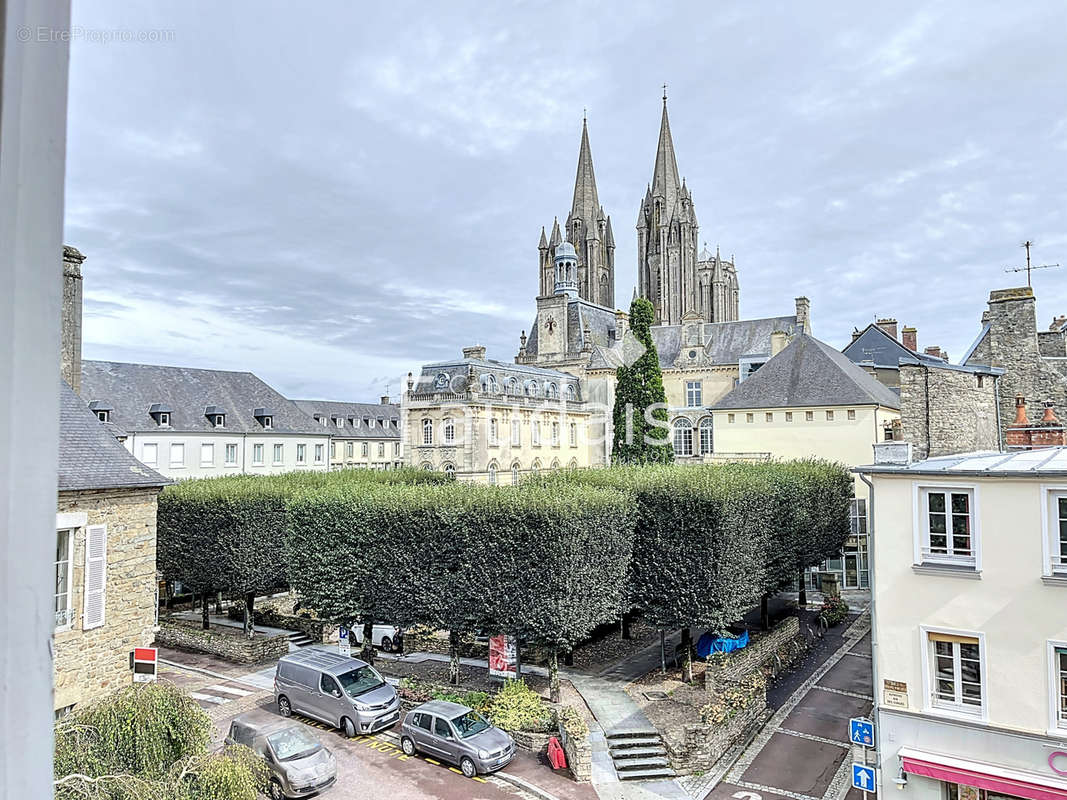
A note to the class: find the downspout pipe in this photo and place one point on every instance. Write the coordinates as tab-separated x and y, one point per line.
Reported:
996	404
874	630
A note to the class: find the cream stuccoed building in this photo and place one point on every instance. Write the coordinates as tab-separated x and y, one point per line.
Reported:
364	435
970	623
493	422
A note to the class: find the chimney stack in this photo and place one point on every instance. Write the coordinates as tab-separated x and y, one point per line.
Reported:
1057	323
778	342
889	325
70	356
1022	435
476	352
804	314
856	333
909	338
385	399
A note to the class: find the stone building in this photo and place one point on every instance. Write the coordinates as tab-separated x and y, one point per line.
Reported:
364	435
877	349
1034	361
105	571
492	422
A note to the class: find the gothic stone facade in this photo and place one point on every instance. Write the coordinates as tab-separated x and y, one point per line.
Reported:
93	661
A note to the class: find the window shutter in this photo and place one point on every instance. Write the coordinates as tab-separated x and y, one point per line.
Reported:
95	575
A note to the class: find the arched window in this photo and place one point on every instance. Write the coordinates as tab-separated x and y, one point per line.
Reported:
554	464
449	470
426	465
512	386
515	469
450	430
573	464
535	467
366	448
427	431
706	436
492	473
551	391
571	391
533	389
489	384
683	437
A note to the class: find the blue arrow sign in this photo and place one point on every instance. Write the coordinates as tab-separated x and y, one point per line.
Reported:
861	731
863	777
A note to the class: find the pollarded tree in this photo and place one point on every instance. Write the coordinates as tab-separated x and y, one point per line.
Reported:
639	397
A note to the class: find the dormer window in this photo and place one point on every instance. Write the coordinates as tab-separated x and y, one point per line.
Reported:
339	422
323	420
104	415
220	420
164	418
160	412
268	422
264	416
216	416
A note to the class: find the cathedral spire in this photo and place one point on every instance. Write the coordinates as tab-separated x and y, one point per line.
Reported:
586	205
665	181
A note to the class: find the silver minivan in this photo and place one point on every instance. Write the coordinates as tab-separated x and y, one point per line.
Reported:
299	765
457	734
341	691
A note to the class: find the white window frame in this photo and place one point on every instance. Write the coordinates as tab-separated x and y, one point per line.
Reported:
350	449
555	434
320	454
494	431
574	434
177	447
155	453
1057	725
164	418
535	433
681	434
71	533
381	449
427	431
365	450
396	449
1050	533
220	420
516	433
257	454
706	424
209	448
301	454
956	712
921	521
694	394
268	422
491	473
226	454
278	454
103	416
448	430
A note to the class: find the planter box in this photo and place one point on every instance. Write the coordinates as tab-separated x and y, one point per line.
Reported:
228	643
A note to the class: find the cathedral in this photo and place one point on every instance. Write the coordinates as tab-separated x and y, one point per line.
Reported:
678	279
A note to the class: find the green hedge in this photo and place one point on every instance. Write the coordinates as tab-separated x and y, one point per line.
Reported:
546	565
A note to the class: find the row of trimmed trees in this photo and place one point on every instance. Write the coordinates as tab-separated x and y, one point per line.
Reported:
547	561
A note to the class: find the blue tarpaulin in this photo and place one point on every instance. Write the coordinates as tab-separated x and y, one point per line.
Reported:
710	643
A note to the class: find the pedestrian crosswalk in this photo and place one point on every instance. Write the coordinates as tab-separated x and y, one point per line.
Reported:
218	694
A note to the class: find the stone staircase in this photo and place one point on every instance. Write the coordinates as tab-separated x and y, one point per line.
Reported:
639	755
298	639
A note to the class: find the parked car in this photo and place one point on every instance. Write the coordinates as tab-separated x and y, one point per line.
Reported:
457	734
299	764
386	638
341	691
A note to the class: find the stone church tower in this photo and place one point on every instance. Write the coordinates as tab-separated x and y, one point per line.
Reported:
588	229
670	274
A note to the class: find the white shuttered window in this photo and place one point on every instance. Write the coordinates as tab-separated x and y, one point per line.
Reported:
95	575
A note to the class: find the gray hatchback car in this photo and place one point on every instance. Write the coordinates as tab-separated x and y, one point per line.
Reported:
341	691
456	734
299	765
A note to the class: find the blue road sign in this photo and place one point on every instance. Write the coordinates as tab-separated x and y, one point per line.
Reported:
861	731
863	777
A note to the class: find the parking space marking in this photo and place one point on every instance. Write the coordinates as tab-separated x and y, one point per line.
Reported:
455	770
437	763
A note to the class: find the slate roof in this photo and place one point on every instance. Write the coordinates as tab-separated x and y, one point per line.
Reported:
132	389
454	374
727	342
1043	462
90	457
877	346
808	372
386	418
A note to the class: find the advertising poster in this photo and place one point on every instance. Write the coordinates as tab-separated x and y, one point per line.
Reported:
503	657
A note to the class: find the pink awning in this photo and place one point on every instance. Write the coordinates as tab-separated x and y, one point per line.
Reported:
985	776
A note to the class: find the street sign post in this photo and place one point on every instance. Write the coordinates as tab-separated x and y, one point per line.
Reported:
861	732
863	777
143	662
343	646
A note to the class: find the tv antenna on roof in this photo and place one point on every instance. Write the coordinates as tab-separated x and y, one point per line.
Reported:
1028	244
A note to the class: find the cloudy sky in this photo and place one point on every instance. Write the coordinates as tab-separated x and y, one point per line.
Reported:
330	194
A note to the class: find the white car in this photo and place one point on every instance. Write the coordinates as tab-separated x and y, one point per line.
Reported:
386	638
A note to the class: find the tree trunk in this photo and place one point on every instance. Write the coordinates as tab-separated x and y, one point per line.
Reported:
218	602
250	618
626	625
802	598
687	655
663	651
553	677
453	657
568	658
367	651
205	612
764	612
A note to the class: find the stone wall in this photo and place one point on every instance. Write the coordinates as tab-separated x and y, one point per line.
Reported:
579	754
1012	343
946	411
228	643
316	629
89	664
700	746
762	649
